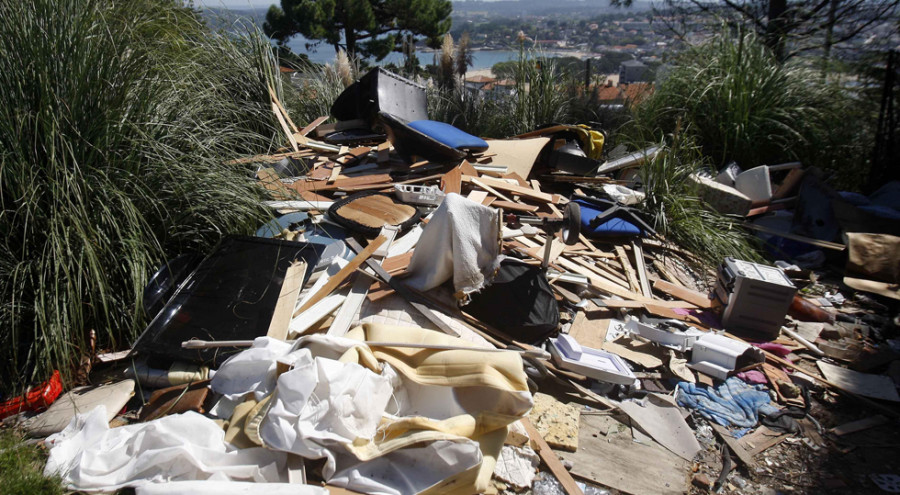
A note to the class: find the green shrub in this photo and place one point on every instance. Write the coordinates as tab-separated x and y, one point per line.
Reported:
116	120
740	104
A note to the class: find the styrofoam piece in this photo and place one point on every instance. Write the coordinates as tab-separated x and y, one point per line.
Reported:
680	340
593	363
419	195
728	174
717	355
755	183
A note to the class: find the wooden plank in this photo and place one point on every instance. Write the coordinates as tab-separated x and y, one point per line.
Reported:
733	444
526	192
360	288
633	283
342	275
481	184
549	457
477	196
468	169
601	270
312	126
506	205
390	185
282	110
661	268
397	263
270	180
855	426
608	456
696	298
601	283
284	127
794	237
287	298
364	180
641	267
761	440
614	304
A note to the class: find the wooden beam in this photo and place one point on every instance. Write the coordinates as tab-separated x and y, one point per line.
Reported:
549	457
526	192
287	298
312	126
629	270
342	275
641	267
696	298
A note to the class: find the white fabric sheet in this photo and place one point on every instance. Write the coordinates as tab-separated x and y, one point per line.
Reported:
460	242
91	456
228	488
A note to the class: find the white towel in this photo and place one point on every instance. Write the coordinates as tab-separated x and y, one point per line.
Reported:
460	241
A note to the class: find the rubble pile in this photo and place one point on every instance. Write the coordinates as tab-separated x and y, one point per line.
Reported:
430	312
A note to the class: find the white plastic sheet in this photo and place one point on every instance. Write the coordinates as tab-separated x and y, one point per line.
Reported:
91	456
228	488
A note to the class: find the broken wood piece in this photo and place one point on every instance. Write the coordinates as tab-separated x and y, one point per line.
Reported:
733	444
287	298
516	189
506	205
487	188
633	283
477	196
856	426
696	298
451	182
340	276
365	180
604	272
601	283
282	109
641	267
666	274
761	440
549	457
312	126
284	127
360	287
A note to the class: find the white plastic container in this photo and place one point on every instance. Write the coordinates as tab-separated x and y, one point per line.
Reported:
717	355
593	363
679	340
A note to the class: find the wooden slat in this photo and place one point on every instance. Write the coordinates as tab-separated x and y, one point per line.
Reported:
364	180
283	111
629	270
342	275
601	283
284	127
287	298
696	298
312	126
603	271
506	205
549	457
526	192
641	267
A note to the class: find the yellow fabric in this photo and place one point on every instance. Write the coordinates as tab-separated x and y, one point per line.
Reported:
468	371
591	142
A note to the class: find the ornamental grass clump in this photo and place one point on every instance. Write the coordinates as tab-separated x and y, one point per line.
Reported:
116	122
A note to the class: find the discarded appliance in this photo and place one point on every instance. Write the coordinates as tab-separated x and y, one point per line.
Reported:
593	363
419	195
717	355
756	297
381	91
722	197
367	212
231	295
680	340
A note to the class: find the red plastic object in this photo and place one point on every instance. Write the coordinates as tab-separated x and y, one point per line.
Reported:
36	399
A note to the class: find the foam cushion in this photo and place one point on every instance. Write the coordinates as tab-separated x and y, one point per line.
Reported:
449	135
613	227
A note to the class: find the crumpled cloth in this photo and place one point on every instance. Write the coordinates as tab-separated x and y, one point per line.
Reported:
91	456
731	403
461	241
753	376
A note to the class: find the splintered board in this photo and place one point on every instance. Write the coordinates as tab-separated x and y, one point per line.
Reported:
607	455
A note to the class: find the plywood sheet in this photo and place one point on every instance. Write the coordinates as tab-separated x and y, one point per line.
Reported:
517	155
608	456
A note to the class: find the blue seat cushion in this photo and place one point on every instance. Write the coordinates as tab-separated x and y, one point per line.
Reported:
613	227
448	135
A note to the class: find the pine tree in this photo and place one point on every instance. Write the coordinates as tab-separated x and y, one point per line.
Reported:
364	28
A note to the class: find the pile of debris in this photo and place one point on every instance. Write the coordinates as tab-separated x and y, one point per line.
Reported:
431	312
